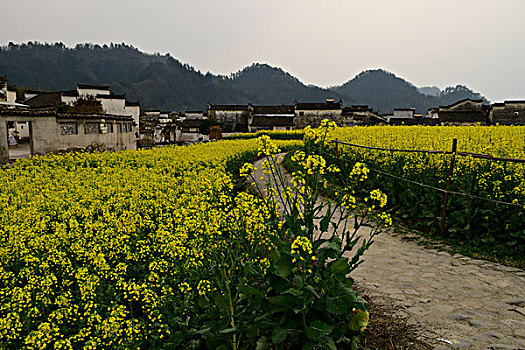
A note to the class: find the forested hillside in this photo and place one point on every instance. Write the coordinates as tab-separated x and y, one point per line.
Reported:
161	81
384	91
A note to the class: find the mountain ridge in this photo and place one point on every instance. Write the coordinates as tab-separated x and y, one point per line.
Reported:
161	81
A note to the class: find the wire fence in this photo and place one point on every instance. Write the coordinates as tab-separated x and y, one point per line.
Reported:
433	187
465	154
453	152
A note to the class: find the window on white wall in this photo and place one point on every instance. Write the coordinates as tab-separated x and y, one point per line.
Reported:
91	128
68	128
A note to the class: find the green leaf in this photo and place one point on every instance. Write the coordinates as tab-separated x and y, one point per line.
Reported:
220	300
299	283
228	330
293	291
252	331
340	305
330	250
250	291
325	222
262	344
283	267
317	329
279	335
318	243
312	290
278	283
299	308
359	320
330	344
340	266
282	300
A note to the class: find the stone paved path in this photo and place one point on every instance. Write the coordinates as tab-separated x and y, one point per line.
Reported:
459	302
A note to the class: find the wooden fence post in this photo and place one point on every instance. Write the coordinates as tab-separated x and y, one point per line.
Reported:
336	152
449	181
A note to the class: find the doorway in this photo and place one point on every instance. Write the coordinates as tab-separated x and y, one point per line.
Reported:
20	139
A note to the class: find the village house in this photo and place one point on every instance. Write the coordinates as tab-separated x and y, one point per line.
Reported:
271	118
232	118
111	103
464	112
360	115
400	115
312	113
418	119
508	113
7	93
160	126
51	131
433	113
189	126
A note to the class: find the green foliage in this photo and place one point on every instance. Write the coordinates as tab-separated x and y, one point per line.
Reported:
86	104
486	226
160	81
305	298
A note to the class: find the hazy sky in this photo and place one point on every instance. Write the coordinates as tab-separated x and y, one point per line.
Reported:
478	43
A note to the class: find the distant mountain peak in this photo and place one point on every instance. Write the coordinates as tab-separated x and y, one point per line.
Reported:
430	90
161	81
383	90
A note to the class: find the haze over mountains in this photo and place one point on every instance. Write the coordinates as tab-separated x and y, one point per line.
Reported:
160	81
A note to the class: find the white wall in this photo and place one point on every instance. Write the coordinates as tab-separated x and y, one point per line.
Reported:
403	114
11	96
69	100
133	111
92	92
115	106
27	95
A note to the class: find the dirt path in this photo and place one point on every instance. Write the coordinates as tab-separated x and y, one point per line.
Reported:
460	303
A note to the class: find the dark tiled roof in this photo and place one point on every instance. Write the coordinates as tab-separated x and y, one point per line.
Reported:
93	87
193	112
515	102
405	109
272	121
283	109
45	99
132	103
27	113
29	91
463	116
94	116
229	107
355	108
112	96
70	93
460	102
412	121
318	105
52	113
191	123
